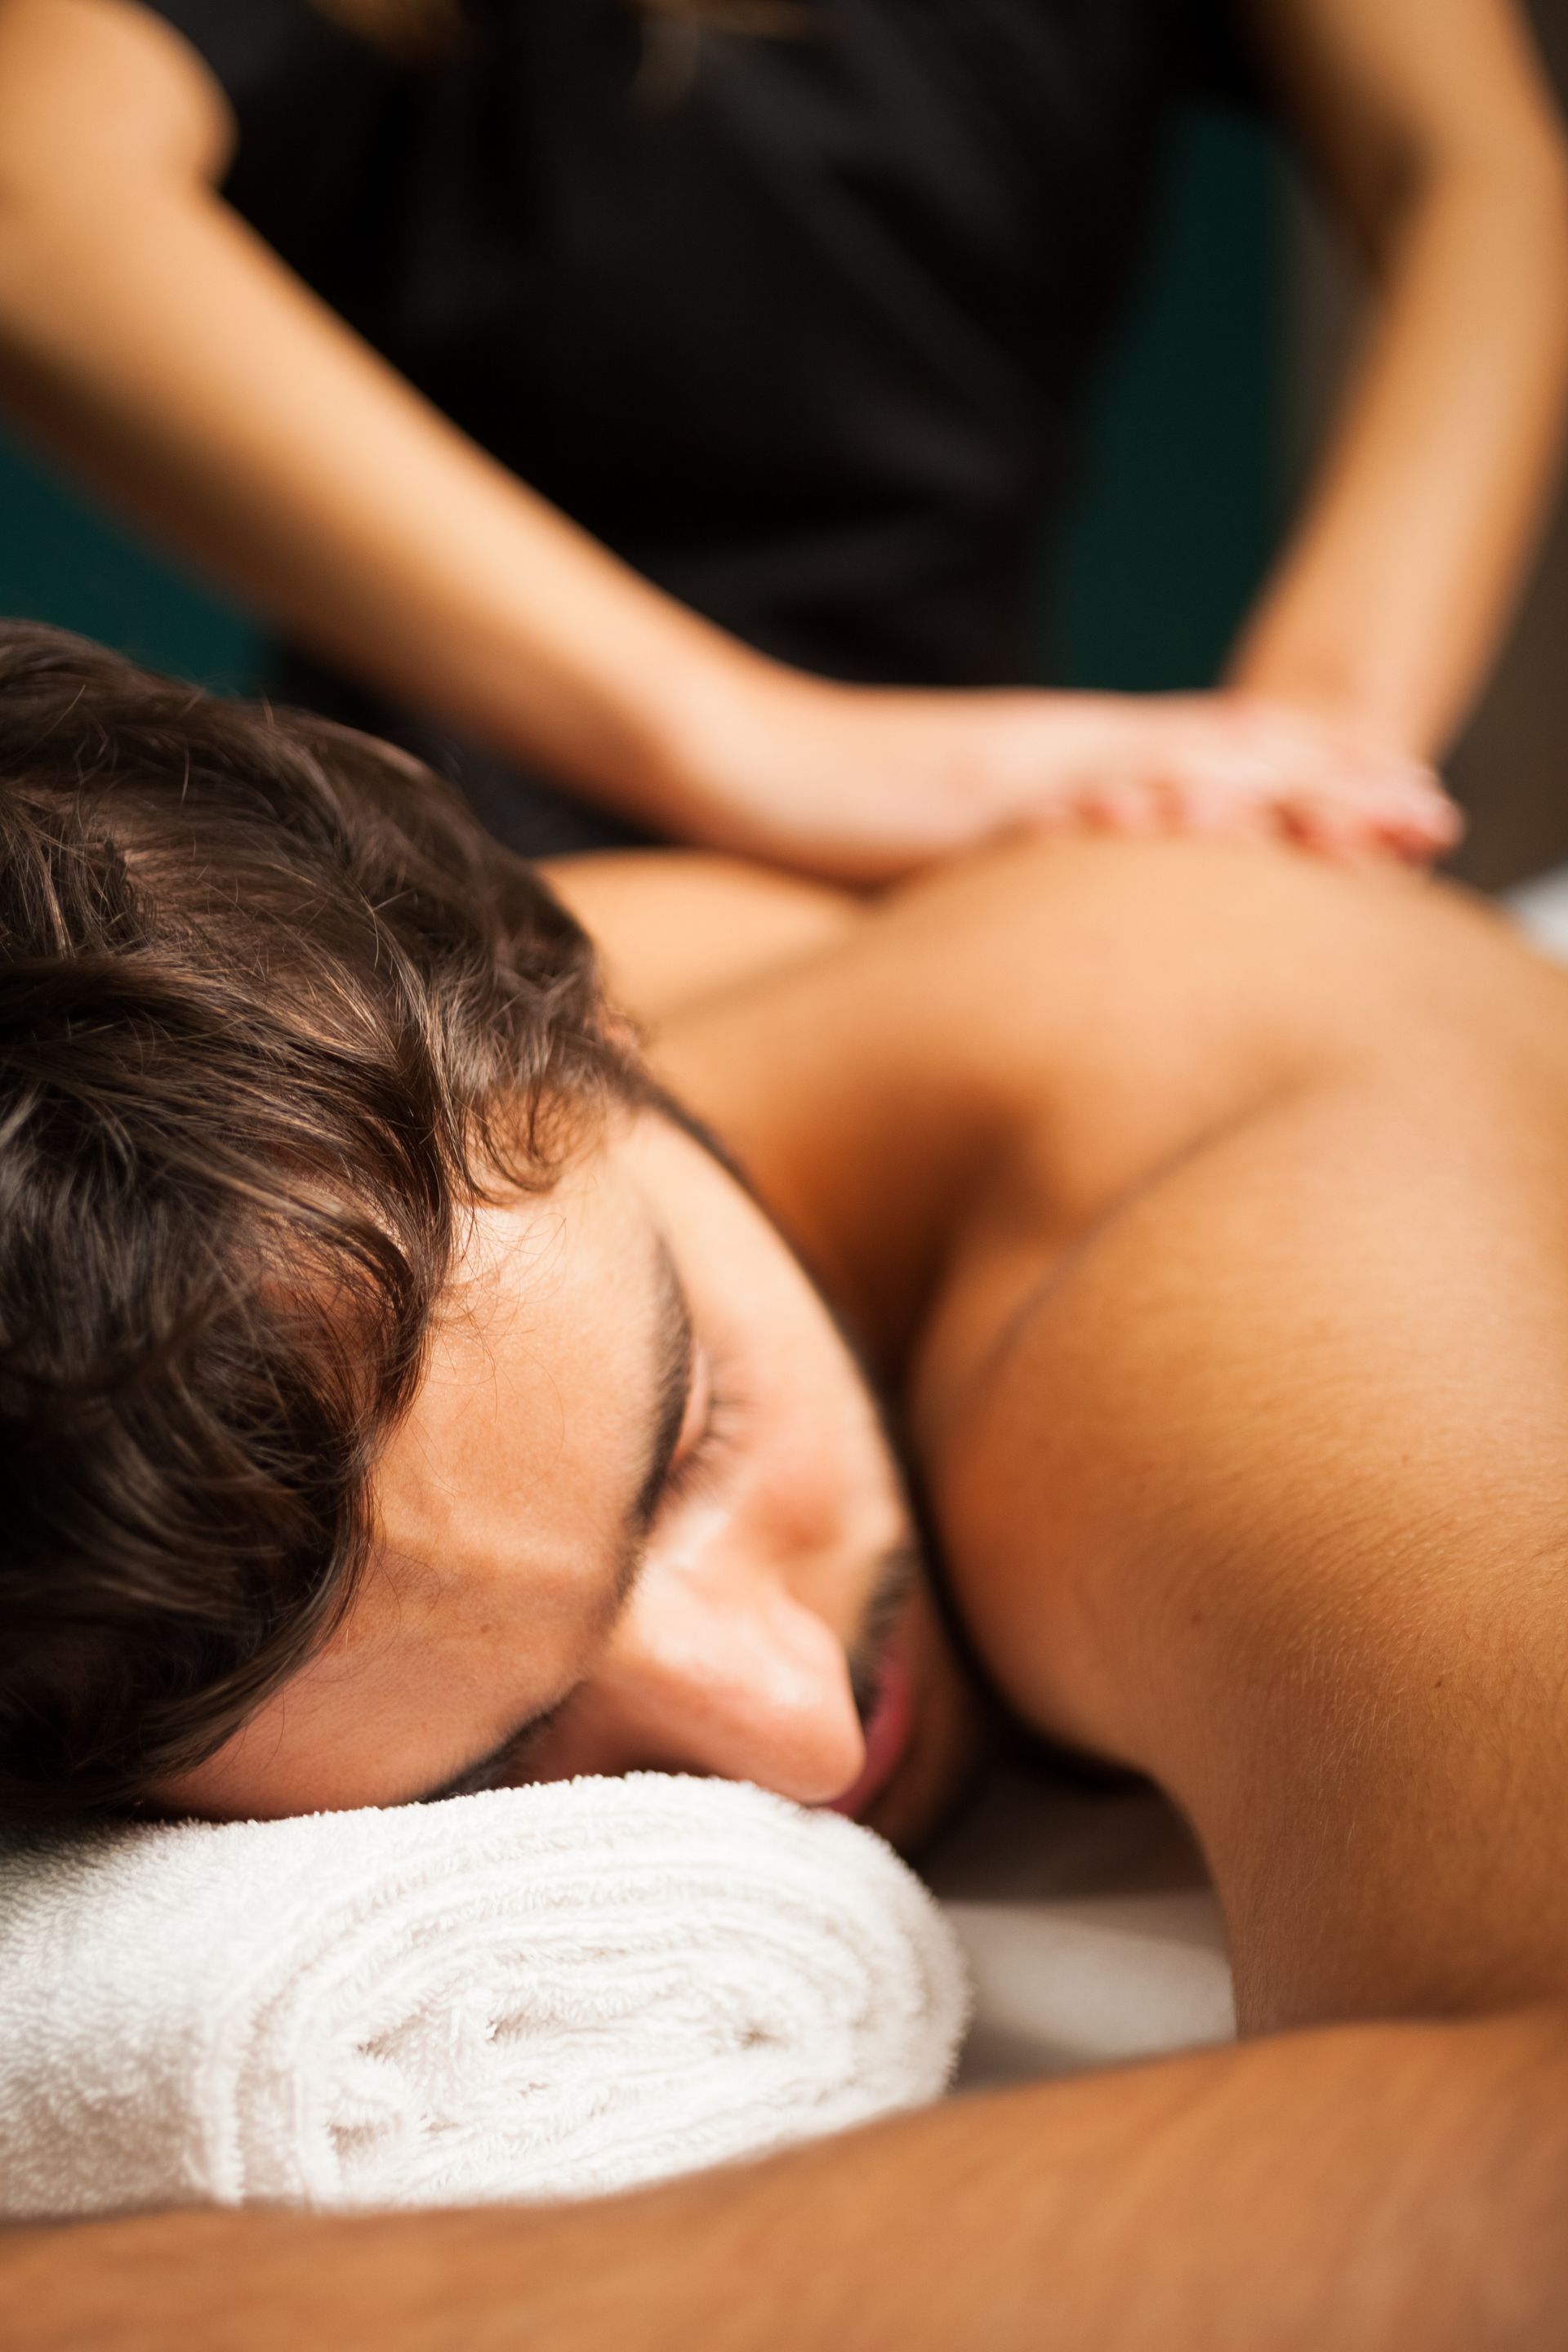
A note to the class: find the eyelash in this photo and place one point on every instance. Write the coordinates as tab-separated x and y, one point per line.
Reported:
713	1440
689	1477
526	1745
500	1774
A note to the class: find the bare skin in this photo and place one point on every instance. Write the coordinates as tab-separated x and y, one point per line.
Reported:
1371	2189
154	345
1209	1207
1340	1181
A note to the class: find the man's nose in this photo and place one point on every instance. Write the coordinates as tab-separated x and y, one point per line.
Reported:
749	1686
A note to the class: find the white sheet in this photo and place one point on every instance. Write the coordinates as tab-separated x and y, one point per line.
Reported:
1088	1925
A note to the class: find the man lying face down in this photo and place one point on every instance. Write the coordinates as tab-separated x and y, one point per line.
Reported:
401	1395
402	1399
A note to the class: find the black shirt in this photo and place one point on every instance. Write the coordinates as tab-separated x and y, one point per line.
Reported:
794	323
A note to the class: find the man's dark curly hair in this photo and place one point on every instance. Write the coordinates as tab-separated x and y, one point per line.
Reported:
273	1012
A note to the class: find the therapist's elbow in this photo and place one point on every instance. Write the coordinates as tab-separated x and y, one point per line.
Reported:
1493	196
1514	189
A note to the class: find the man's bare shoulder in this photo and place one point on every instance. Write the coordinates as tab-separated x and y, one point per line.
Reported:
1157	933
683	930
677	929
1106	1002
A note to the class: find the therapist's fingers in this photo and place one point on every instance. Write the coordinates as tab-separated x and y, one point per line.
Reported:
1177	798
1336	796
1338	785
1120	802
1335	811
1347	817
1170	798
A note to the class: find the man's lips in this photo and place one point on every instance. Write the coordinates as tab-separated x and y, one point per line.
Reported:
886	1731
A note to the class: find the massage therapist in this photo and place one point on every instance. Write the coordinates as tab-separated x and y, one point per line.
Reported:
664	398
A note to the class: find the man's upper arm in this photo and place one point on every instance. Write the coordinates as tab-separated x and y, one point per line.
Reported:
1264	1492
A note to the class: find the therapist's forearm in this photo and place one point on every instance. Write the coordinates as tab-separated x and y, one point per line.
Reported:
1370	2190
1401	577
165	355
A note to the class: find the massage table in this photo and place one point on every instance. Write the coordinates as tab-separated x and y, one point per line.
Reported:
1090	1926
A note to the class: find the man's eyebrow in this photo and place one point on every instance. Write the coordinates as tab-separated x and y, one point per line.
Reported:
674	1362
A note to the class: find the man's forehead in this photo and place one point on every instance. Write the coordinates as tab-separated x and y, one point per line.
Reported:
532	1403
508	1517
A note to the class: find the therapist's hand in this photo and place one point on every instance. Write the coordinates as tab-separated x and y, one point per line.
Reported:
862	785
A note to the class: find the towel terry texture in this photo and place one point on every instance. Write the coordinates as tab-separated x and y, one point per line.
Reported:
532	1993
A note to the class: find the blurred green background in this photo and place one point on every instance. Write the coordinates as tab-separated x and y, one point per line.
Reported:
1177	507
1182	488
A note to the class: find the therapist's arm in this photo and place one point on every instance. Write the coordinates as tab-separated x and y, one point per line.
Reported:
1440	145
151	341
1371	2189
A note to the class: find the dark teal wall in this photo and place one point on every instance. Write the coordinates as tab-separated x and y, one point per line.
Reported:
61	560
1168	535
1179	501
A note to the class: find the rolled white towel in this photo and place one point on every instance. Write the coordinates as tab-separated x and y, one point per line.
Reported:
532	1993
